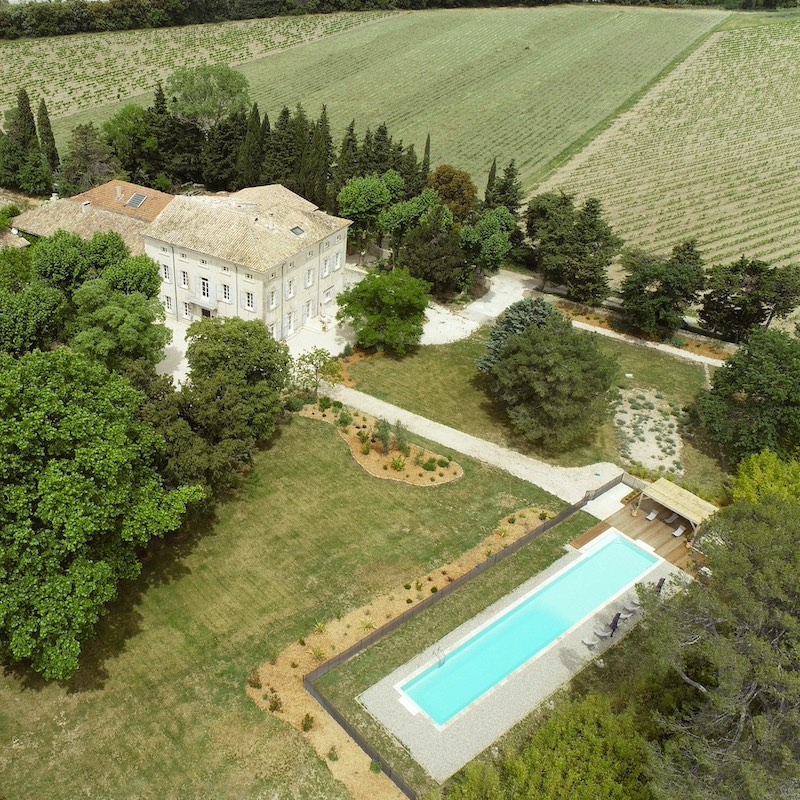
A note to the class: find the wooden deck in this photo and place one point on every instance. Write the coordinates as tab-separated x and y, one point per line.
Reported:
655	533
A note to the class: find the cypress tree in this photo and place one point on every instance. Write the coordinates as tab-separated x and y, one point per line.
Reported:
382	150
409	169
221	150
490	195
425	168
300	145
348	161
366	155
509	189
21	127
35	176
159	101
266	132
47	142
251	155
277	158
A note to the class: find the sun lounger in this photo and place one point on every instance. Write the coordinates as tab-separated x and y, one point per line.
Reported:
652	515
679	531
590	642
626	615
602	634
671	518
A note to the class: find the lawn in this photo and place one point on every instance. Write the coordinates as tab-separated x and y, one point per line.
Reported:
158	709
343	685
700	152
528	84
441	382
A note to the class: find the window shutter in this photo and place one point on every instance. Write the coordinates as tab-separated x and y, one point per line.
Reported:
286	292
212	288
255	302
285	326
242	299
220	292
198	287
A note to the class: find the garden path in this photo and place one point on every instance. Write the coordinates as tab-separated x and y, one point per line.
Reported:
568	483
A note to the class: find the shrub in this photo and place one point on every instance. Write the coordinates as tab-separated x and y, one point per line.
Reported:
332	754
324	403
363	436
434	589
406	585
398	463
347	351
375	766
365	447
302	641
443	462
294	403
383	432
543	515
275	703
345	418
511	520
254	679
337	404
319	627
308	723
409	600
401	439
430	465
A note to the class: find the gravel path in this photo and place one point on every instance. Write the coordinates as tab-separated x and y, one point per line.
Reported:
568	483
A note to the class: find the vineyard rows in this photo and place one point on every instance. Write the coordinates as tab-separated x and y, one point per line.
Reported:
710	152
75	73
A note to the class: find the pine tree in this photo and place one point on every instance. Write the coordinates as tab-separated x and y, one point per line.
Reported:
300	144
47	141
318	162
490	195
509	189
266	132
409	169
381	150
250	159
35	176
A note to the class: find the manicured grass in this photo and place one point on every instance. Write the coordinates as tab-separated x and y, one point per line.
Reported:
158	709
664	171
343	685
513	83
441	382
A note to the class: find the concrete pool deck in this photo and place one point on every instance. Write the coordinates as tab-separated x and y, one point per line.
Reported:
442	751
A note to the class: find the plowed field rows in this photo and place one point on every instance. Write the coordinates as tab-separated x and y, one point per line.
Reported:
711	151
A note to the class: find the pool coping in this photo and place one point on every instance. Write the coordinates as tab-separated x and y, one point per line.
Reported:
443	750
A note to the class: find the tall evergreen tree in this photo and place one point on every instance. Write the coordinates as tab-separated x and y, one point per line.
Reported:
316	168
596	245
347	163
278	155
89	161
35	176
266	132
409	169
221	151
382	149
21	127
490	195
250	160
366	155
300	145
47	142
509	189
159	101
425	167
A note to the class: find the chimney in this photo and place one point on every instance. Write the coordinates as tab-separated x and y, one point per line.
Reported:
119	194
271	221
85	206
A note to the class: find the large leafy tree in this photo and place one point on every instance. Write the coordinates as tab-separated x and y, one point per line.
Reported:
754	401
237	375
362	200
765	475
657	291
132	136
30	318
221	152
399	218
386	310
583	751
487	240
135	274
456	189
517	318
80	498
115	328
555	383
207	94
733	638
62	261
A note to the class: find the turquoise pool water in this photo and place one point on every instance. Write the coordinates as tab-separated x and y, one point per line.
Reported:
476	666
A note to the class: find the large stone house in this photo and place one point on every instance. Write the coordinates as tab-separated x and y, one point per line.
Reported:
259	253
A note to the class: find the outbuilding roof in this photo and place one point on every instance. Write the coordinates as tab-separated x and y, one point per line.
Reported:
682	502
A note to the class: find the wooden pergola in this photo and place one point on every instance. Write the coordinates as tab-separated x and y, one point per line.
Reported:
685	504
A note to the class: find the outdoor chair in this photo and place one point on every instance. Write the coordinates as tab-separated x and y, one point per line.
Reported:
652	515
626	614
679	531
602	634
590	643
671	518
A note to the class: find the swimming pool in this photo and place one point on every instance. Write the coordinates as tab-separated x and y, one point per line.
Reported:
458	678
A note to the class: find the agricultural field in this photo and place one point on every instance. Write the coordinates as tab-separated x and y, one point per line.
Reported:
529	84
158	709
710	151
82	72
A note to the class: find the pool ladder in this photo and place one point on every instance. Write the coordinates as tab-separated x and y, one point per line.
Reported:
440	656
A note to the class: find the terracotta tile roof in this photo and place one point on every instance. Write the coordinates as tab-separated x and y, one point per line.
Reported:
257	227
116	196
84	220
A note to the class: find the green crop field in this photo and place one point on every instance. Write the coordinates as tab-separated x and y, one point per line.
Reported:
711	151
83	72
528	84
158	710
